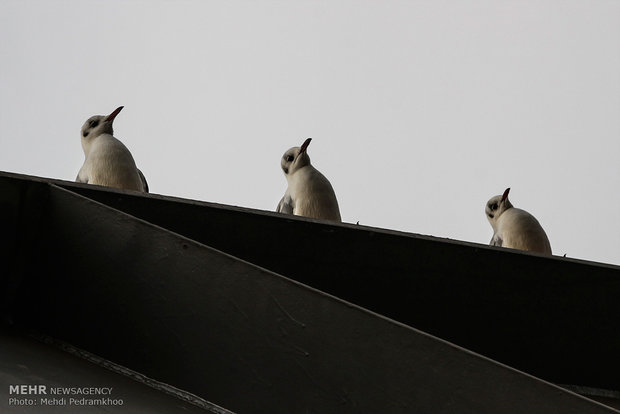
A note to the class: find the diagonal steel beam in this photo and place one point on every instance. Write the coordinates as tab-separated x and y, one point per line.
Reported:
552	317
236	334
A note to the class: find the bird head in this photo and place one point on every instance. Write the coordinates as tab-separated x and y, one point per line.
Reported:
295	158
99	124
497	205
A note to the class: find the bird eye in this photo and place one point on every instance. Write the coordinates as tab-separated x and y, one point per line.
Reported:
93	124
289	158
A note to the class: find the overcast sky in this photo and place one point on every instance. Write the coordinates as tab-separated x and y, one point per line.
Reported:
420	111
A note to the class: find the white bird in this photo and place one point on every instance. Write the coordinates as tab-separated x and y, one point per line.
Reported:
515	228
309	193
108	161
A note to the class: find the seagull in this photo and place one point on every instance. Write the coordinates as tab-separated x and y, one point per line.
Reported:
309	193
515	228
108	161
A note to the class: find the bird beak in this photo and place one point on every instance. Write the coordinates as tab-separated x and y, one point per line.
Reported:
505	196
304	146
111	117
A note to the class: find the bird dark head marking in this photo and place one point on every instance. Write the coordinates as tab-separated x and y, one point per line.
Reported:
295	158
99	124
497	205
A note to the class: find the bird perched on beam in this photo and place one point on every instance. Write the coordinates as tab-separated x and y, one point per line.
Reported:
515	228
309	193
108	161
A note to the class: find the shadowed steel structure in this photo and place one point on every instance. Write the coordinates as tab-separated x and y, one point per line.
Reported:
214	301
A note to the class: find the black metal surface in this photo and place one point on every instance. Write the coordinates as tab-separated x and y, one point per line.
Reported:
24	361
251	340
554	318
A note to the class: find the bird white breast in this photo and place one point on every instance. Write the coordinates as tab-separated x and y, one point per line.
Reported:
110	163
518	229
313	195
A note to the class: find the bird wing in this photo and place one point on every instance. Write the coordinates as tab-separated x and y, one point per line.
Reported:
145	185
496	241
285	205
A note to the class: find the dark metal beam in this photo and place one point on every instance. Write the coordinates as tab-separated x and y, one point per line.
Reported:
552	317
26	361
239	335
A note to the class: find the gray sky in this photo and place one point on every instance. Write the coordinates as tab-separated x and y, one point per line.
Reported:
420	111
